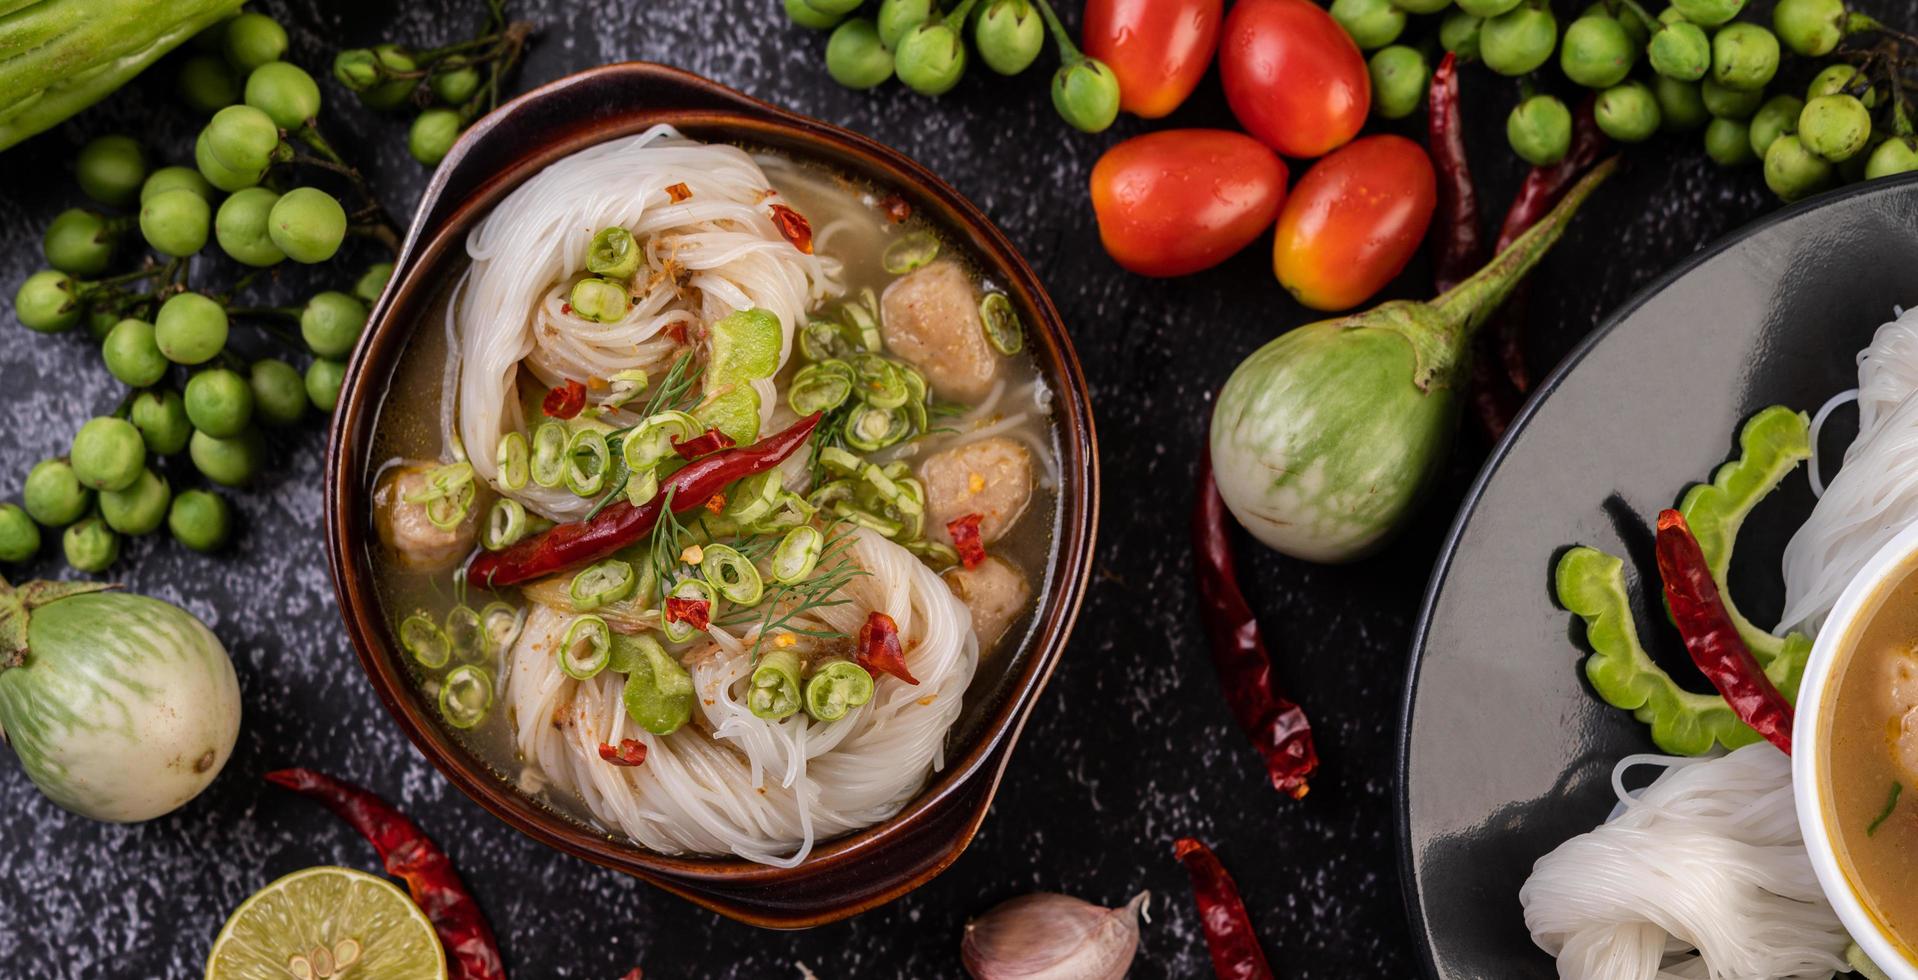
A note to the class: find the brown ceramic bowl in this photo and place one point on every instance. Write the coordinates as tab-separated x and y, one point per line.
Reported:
843	876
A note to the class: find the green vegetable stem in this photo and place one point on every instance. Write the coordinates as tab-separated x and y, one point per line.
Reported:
1325	439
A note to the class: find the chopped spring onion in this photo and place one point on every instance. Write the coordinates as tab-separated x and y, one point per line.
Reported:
871	428
465	696
862	318
836	687
693	590
586	648
1004	330
938	554
790	510
423	638
881	383
548	467
641	486
753	498
797	554
889	528
892	492
600	300
624	386
774	693
916	398
613	253
448	493
839	461
465	634
505	525
587	460
659	692
821	340
828	494
514	460
910	252
652	440
602	583
502	623
820	387
731	574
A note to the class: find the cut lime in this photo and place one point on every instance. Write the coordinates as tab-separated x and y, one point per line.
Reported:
327	922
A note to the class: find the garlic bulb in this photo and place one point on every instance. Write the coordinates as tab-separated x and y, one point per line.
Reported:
1053	937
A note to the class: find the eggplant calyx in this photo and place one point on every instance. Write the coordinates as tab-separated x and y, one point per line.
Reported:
16	608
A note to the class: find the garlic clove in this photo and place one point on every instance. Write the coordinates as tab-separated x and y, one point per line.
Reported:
1046	936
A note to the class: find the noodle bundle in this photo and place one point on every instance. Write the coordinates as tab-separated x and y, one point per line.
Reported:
700	213
1703	874
732	782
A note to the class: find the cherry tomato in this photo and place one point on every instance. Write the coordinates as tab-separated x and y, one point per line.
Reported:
1180	200
1158	48
1353	222
1293	76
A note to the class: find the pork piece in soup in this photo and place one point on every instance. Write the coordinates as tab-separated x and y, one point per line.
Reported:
931	318
787	658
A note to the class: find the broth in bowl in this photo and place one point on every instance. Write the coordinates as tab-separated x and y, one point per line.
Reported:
717	499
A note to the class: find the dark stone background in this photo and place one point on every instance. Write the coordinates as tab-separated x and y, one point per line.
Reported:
1130	746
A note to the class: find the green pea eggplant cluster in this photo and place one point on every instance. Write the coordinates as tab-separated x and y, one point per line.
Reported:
926	48
447	87
1694	67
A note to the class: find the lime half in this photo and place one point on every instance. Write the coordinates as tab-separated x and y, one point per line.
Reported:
327	922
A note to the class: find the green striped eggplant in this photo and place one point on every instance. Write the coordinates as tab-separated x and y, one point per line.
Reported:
120	707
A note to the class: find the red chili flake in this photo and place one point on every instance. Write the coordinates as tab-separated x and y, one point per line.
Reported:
566	307
896	208
698	612
678	332
1228	929
631	752
565	401
794	226
632	974
965	539
879	650
679	192
703	445
716	504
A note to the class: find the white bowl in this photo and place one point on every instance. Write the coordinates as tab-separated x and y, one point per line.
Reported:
1861	599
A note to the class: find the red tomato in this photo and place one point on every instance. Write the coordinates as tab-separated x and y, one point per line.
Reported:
1293	76
1353	222
1181	200
1157	48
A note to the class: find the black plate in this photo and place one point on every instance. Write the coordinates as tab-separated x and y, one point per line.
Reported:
1505	751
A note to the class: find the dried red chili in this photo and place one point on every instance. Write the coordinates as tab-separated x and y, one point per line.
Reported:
630	752
705	444
1277	727
697	612
621	523
1459	243
1712	638
632	974
895	208
679	192
565	401
965	539
412	857
794	226
879	651
678	333
1228	929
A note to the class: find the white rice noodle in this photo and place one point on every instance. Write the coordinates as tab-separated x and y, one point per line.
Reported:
716	252
1875	493
1702	874
733	783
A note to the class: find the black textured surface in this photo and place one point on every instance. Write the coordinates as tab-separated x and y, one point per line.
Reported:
1130	746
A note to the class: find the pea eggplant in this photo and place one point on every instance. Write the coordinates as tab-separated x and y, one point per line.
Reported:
1324	440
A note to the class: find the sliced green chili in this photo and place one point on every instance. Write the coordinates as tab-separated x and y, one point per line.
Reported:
586	649
641	485
694	589
587	460
624	386
465	634
465	696
881	383
502	623
652	440
836	687
731	574
448	493
797	554
885	526
423	638
1004	330
602	583
753	498
820	387
774	693
863	322
1891	803
829	494
613	253
505	525
600	300
821	340
910	252
659	692
937	554
548	467
871	428
514	459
